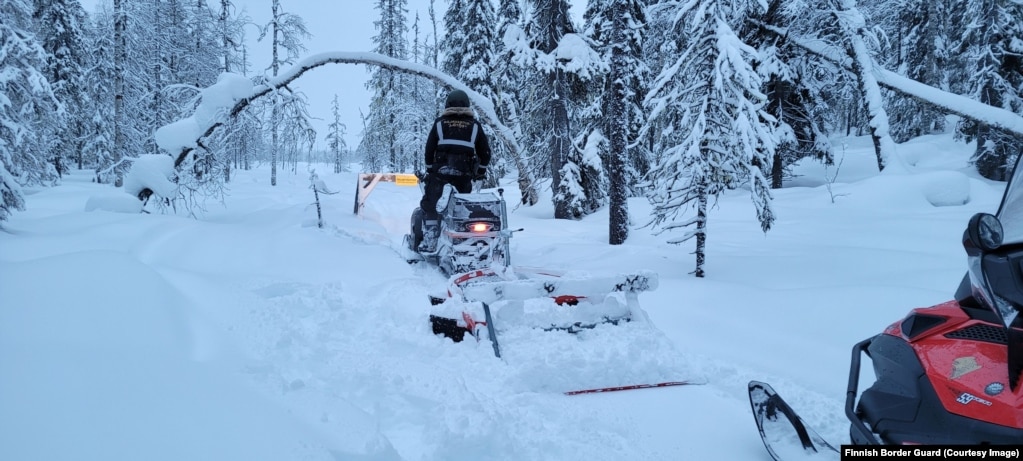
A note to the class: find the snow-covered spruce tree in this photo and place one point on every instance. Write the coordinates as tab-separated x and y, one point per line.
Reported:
573	183
508	78
380	145
453	45
286	32
793	89
658	47
994	45
469	52
11	197
718	136
477	56
98	106
636	73
336	145
617	110
957	73
59	28
29	109
26	104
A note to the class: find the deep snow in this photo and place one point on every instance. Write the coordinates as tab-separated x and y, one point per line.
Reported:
251	334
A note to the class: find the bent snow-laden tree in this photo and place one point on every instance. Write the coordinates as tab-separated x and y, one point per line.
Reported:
962	106
853	27
848	48
228	100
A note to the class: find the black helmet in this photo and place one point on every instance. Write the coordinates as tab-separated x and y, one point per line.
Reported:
457	98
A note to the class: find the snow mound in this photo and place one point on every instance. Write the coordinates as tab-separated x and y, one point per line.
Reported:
119	203
945	188
154	172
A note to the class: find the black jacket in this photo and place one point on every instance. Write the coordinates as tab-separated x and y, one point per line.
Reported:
451	143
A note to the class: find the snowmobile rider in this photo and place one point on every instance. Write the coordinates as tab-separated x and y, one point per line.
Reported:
457	152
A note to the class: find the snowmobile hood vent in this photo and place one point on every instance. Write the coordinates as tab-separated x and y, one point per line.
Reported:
918	324
980	332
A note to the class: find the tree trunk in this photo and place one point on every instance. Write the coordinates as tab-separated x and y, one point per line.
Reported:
225	40
560	142
120	59
777	170
615	128
701	230
275	112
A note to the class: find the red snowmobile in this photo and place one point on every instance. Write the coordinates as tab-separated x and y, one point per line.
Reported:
946	374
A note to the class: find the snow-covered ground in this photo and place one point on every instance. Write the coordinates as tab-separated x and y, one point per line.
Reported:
251	334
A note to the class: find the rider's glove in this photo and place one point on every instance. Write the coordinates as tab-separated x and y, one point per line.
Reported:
481	172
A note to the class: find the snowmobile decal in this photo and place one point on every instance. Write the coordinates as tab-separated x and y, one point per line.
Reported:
965	398
962	366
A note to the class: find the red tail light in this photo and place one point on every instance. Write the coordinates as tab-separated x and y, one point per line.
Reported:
479	227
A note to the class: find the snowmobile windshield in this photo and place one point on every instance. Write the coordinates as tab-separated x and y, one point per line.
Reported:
1010	213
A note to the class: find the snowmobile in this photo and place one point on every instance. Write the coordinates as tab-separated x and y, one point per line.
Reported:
945	374
470	234
535	298
470	245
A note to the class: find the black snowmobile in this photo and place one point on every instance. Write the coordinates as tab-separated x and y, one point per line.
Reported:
946	374
470	234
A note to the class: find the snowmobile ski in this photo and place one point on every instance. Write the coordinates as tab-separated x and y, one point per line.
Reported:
455	330
785	435
491	330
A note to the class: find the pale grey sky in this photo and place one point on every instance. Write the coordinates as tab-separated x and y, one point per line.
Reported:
335	25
